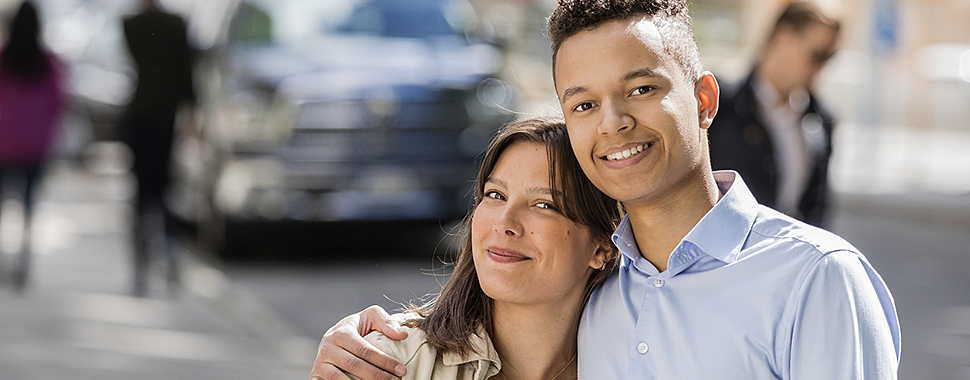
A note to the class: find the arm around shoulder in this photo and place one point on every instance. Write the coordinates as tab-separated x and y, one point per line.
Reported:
842	323
414	352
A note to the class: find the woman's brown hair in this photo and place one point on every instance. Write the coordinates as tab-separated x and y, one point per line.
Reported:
450	319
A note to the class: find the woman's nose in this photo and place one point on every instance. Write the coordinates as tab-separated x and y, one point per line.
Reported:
508	221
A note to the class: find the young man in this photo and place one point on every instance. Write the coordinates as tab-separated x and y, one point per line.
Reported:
711	285
771	128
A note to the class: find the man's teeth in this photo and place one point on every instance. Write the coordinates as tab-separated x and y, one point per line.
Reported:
626	153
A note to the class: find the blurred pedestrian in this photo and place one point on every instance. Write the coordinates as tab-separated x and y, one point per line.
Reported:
31	101
771	129
158	43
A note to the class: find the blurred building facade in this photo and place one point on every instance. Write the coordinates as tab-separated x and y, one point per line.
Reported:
898	85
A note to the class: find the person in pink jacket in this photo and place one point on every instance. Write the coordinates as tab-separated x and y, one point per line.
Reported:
31	100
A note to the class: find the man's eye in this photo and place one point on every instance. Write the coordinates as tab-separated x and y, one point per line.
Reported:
642	90
583	106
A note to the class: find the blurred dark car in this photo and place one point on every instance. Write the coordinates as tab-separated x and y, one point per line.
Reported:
341	111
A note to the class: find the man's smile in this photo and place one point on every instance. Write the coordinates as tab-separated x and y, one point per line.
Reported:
627	153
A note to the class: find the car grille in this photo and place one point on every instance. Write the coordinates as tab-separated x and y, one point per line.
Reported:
353	131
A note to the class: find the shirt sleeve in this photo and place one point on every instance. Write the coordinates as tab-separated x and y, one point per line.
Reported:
844	323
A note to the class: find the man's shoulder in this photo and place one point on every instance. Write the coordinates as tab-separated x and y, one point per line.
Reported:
781	232
154	18
740	89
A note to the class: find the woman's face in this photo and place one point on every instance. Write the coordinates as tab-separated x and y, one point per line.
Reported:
525	250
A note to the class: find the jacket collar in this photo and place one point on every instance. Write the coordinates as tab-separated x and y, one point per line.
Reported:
482	349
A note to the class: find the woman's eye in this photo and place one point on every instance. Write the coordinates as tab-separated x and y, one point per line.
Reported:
642	90
583	106
494	195
547	206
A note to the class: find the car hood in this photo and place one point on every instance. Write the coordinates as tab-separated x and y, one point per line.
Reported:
364	67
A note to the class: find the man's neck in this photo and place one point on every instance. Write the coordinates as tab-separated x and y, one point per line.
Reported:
659	226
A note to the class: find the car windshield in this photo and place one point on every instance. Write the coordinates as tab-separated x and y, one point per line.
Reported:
284	21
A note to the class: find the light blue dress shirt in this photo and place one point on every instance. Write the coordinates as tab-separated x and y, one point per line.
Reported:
748	294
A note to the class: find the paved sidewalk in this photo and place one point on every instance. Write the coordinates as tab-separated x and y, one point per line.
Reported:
77	320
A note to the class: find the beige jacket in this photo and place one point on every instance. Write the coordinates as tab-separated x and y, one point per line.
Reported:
424	362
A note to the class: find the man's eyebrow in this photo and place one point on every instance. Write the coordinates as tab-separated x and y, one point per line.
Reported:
573	91
640	73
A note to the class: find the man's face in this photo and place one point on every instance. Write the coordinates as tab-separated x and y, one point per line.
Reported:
631	113
804	53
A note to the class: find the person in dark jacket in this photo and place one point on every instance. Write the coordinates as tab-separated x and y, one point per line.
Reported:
771	128
158	43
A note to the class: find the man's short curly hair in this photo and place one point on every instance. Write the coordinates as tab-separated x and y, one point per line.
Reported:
670	16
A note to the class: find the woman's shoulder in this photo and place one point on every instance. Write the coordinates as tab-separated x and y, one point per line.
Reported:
424	361
414	347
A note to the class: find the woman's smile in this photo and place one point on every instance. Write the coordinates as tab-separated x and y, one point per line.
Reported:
501	255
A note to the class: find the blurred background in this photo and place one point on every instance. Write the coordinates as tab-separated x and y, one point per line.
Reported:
331	151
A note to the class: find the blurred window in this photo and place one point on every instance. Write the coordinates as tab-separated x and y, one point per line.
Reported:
393	18
284	21
251	24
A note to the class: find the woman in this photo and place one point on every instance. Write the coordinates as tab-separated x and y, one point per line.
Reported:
31	100
537	242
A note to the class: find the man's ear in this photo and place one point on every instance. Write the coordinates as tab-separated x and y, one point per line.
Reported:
708	94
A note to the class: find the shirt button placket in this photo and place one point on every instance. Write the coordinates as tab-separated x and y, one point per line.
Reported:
642	348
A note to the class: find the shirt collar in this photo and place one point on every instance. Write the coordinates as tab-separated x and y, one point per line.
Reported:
720	233
482	349
624	240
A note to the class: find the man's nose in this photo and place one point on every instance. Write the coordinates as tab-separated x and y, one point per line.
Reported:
616	117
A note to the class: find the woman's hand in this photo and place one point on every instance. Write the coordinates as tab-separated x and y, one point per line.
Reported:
343	348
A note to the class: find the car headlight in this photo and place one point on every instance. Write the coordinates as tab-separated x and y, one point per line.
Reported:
251	186
248	120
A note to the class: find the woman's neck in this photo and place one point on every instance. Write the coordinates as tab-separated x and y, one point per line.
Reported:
536	342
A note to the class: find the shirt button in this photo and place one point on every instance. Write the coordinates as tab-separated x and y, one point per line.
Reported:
658	282
642	348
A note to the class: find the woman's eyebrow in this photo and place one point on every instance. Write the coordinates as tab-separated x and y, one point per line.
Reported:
496	181
544	191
